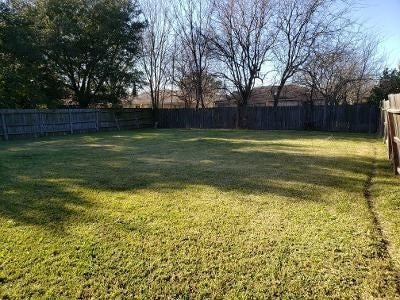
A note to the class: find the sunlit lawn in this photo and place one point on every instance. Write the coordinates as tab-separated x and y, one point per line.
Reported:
197	214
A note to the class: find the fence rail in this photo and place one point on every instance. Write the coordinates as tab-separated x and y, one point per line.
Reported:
391	120
353	118
16	123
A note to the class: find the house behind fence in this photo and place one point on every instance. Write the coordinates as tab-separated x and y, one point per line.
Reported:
391	131
291	95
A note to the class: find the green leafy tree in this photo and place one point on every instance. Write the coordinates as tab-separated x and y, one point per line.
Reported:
389	83
25	79
93	45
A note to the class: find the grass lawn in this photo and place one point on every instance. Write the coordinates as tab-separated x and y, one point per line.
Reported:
199	214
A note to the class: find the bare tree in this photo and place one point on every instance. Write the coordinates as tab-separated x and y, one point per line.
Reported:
241	42
192	25
328	74
156	46
211	88
369	67
301	25
344	70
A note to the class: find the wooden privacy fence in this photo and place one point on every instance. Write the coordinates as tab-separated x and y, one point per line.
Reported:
352	118
391	131
34	123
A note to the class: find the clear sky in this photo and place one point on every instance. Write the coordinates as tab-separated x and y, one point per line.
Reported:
382	17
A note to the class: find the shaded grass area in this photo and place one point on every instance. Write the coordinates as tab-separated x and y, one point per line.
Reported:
194	214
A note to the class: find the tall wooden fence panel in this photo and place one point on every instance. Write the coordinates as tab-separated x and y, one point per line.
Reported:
201	118
16	123
391	119
352	118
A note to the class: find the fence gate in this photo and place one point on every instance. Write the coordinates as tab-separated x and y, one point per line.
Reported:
391	119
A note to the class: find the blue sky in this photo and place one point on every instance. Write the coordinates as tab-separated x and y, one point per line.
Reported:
382	17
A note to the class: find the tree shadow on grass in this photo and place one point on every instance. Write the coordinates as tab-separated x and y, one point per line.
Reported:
44	202
229	166
36	191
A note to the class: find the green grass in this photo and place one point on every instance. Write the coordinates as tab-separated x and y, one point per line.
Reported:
386	190
198	214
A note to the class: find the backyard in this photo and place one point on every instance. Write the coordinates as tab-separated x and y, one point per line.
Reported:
199	214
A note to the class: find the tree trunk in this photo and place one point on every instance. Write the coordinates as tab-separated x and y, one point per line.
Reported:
277	95
83	100
199	93
325	115
156	115
242	116
155	104
276	100
310	111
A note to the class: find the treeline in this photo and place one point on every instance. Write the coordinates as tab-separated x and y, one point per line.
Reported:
97	52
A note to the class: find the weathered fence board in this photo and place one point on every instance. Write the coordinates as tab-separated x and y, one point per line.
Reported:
391	132
352	118
33	123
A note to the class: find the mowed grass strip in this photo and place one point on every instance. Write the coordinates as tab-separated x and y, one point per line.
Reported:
194	214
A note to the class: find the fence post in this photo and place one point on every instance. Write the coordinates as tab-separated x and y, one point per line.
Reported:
116	121
46	124
137	120
41	125
4	125
97	120
393	144
370	119
71	129
36	124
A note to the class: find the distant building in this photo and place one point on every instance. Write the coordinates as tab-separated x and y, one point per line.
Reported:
292	95
168	99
